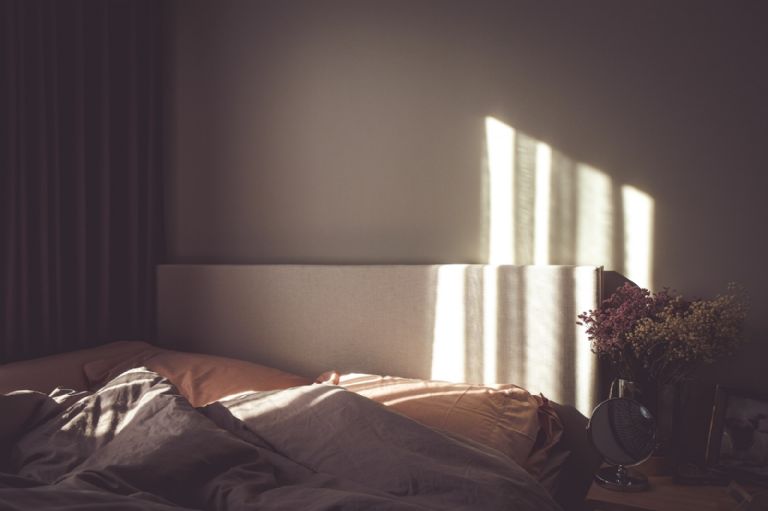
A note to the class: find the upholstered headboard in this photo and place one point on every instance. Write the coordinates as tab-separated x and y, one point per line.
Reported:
476	323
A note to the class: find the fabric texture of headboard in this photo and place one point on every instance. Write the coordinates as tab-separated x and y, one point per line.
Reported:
472	323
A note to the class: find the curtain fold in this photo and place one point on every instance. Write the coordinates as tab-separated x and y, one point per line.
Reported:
81	225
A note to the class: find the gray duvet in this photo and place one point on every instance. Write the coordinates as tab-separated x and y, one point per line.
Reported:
138	444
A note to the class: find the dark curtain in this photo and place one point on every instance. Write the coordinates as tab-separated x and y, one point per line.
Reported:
80	183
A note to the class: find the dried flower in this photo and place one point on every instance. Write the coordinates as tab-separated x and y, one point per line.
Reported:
661	337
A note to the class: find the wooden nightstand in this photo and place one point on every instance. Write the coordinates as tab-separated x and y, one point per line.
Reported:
664	495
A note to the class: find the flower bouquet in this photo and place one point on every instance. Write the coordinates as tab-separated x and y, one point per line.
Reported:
656	340
661	337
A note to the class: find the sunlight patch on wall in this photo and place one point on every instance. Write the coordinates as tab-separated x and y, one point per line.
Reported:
638	235
449	340
543	205
544	208
594	228
500	144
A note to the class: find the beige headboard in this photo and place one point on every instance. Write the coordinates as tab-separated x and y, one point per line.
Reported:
476	323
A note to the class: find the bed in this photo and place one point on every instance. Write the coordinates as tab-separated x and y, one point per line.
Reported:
318	387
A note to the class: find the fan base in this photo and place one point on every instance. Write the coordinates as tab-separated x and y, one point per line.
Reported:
620	478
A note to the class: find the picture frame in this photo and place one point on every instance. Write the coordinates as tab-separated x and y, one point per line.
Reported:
738	434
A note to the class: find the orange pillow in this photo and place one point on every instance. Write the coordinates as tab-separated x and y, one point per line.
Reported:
504	417
200	378
64	370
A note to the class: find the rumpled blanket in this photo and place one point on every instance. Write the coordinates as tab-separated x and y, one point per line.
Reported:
138	444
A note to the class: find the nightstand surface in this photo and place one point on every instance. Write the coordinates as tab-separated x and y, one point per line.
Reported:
664	495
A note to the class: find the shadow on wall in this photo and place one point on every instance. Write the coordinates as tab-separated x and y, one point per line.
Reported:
540	208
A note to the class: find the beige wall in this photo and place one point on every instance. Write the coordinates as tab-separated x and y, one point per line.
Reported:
353	131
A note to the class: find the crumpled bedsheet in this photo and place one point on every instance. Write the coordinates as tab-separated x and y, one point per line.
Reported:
138	444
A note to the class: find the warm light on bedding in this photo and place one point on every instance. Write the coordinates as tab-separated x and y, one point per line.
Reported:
139	431
312	447
200	378
504	417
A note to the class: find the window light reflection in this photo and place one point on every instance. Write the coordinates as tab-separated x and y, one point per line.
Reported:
638	235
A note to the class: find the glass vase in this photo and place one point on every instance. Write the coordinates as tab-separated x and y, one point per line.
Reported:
628	389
